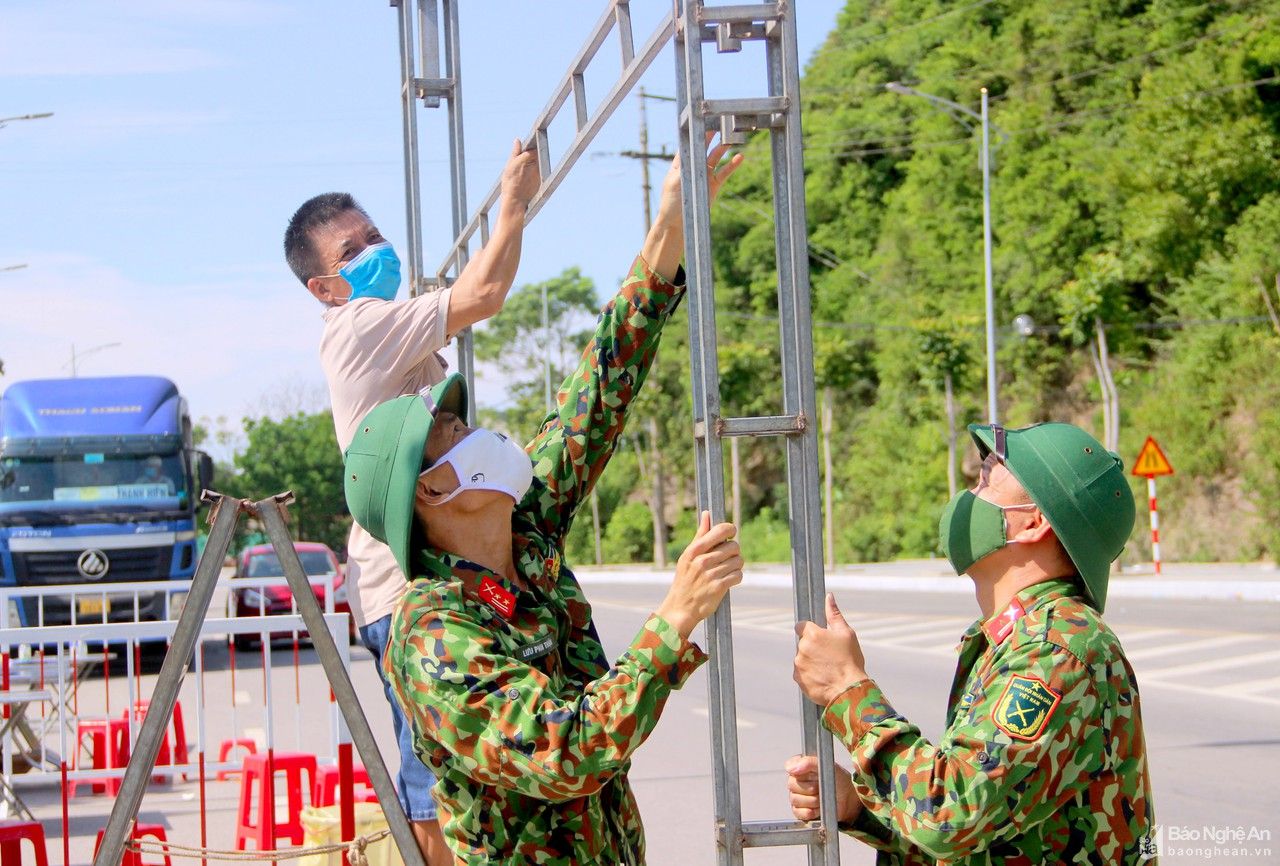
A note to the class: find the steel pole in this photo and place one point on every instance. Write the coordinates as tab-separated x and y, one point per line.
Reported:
546	356
992	405
413	209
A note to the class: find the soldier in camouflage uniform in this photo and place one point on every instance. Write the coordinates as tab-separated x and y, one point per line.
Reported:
1043	759
493	654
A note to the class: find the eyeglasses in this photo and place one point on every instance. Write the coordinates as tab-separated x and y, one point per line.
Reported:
1001	449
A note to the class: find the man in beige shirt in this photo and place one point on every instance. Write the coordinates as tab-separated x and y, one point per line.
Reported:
375	349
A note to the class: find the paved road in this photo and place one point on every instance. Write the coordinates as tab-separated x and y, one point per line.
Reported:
1207	669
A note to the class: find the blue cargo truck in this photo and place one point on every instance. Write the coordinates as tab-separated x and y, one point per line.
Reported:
99	484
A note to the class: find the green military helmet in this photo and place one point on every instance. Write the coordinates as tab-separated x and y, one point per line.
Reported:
1077	484
385	458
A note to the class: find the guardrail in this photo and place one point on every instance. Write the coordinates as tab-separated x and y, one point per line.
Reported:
109	596
57	678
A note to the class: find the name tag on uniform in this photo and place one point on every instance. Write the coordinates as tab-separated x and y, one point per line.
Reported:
536	650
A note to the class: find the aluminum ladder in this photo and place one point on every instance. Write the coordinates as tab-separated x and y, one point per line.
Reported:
429	33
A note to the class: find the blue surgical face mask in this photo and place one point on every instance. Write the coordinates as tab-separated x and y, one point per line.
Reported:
375	273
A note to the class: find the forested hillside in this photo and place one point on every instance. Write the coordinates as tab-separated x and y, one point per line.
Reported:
1135	188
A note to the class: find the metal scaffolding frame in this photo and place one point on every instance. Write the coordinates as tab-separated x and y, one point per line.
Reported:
692	24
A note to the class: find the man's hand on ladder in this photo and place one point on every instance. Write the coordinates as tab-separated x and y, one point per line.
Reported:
828	660
664	245
802	785
708	568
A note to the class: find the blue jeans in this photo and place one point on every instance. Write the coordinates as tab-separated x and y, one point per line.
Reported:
414	781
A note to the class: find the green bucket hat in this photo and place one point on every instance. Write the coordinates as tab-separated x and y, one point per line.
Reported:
1078	485
384	460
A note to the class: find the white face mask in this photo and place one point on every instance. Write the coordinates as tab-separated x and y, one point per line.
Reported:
487	461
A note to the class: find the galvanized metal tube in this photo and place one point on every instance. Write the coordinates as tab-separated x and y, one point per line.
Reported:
795	322
408	110
706	387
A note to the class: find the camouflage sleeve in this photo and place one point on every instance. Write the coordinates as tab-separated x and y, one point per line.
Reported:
577	440
1012	755
895	851
506	724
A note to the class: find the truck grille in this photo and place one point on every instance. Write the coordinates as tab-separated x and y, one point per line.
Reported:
127	564
58	567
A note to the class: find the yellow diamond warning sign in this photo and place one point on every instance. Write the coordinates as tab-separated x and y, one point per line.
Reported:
1151	461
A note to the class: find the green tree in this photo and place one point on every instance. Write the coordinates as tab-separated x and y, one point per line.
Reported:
944	366
1135	188
524	349
298	453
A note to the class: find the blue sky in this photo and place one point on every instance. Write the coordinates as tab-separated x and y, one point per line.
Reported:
149	209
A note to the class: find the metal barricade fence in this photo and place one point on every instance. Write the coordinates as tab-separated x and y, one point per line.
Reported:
64	679
109	597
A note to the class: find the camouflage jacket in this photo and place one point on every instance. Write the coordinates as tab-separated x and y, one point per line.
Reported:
514	705
1042	761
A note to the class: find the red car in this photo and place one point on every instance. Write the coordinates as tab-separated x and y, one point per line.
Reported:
318	561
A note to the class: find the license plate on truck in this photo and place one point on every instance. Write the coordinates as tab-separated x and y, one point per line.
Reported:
94	606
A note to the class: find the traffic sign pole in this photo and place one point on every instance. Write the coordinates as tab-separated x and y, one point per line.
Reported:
1151	462
1155	522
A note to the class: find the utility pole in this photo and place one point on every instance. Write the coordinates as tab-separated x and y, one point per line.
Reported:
990	295
644	155
657	497
644	164
546	358
829	526
955	110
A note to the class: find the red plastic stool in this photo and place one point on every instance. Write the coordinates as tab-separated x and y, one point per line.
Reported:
133	858
327	779
11	835
257	817
108	741
250	747
165	757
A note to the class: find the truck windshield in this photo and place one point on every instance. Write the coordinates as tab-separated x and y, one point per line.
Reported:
98	481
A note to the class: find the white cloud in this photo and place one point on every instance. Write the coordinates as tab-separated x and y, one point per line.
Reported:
245	345
135	38
225	344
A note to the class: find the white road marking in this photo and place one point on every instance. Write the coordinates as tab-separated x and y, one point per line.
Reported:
1214	665
908	632
1186	647
949	632
928	628
706	714
1265	684
1146	634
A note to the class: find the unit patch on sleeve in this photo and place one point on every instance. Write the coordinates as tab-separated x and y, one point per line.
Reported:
1024	707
